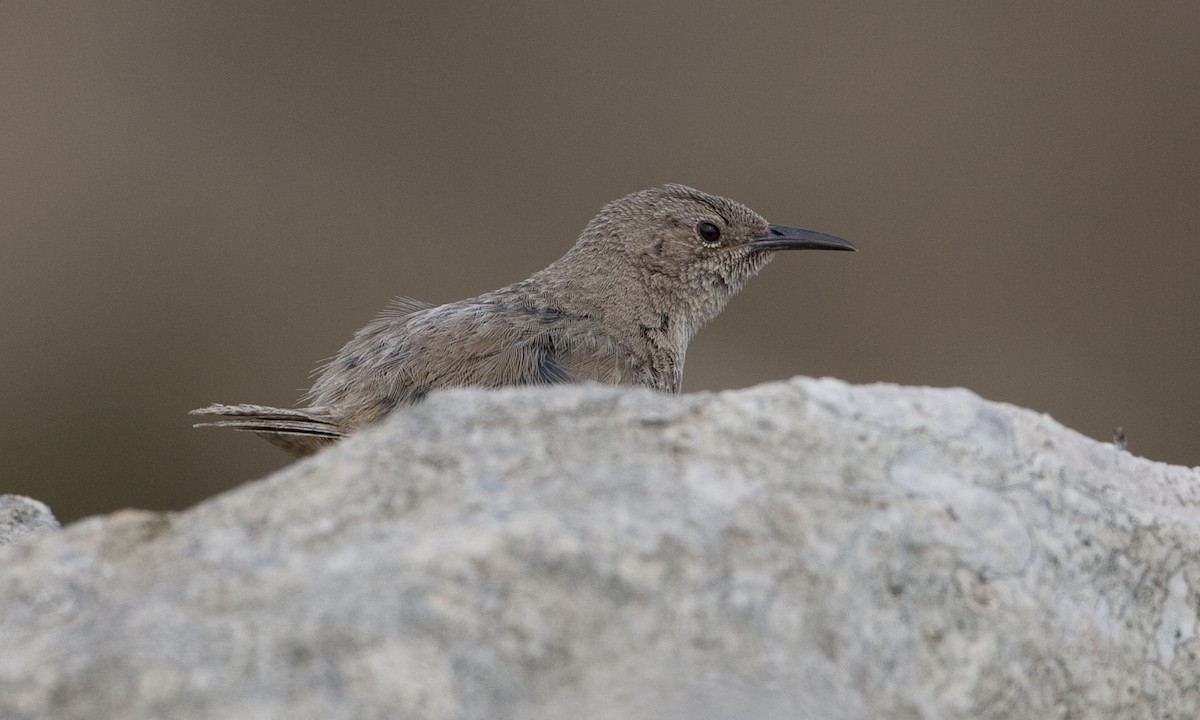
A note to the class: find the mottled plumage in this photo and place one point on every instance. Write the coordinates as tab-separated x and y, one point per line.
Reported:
619	308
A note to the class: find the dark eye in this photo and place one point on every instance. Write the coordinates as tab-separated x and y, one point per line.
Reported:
708	232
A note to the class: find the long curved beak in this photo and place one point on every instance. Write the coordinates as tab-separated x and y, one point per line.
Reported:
782	237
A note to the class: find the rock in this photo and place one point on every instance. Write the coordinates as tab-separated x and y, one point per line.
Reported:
804	549
21	516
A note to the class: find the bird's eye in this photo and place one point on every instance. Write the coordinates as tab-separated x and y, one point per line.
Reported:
708	232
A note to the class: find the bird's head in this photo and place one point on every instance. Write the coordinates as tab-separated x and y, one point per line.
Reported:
690	250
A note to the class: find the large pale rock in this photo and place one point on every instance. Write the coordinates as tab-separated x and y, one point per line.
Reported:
799	550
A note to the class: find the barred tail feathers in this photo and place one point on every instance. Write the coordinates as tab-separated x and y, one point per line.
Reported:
298	431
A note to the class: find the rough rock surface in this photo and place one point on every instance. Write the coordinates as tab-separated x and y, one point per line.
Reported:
804	549
21	516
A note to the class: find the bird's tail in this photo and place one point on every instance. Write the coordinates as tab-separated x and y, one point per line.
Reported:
298	431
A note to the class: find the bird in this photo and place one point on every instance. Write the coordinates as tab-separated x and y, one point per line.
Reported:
618	308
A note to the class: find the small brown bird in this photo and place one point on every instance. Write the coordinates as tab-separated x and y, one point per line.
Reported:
618	308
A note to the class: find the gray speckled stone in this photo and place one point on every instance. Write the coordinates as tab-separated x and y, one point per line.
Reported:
805	549
21	516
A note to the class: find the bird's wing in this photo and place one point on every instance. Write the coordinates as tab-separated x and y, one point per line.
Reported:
397	360
572	356
516	347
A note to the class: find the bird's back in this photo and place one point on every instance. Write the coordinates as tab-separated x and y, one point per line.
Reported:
493	341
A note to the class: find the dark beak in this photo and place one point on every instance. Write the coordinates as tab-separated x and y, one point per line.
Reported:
782	237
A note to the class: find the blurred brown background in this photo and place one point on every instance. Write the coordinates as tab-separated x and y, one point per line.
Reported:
202	200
